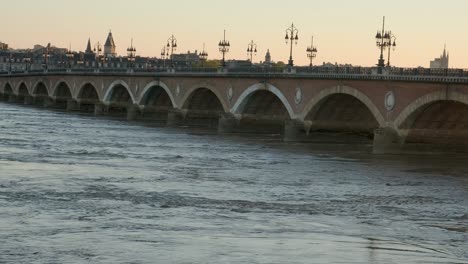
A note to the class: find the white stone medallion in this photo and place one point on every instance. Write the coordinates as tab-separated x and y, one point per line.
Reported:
230	93
390	101
177	91
298	96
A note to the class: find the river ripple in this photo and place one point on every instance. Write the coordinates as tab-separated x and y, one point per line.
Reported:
79	189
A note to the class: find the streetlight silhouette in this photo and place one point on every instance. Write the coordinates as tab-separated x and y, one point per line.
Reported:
172	45
291	35
70	56
46	56
164	55
392	45
97	51
203	56
224	46
251	50
383	41
311	52
131	53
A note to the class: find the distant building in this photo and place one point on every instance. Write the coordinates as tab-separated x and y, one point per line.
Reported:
89	57
268	57
442	62
185	59
231	64
109	47
3	46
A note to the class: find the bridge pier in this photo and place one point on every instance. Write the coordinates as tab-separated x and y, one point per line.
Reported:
28	100
293	130
132	112
72	105
99	109
387	141
227	123
175	117
48	102
12	98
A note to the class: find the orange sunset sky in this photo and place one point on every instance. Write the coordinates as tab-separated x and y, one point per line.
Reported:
344	30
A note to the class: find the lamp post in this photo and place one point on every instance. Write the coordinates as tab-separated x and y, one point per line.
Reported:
172	45
392	45
164	55
10	61
311	52
383	41
291	35
203	56
27	62
70	56
131	53
224	46
251	50
97	51
46	57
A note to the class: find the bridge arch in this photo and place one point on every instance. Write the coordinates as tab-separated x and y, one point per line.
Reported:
203	97
416	107
8	89
265	89
40	89
62	90
119	91
23	89
88	92
151	88
357	100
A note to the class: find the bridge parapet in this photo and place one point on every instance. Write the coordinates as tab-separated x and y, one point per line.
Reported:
339	73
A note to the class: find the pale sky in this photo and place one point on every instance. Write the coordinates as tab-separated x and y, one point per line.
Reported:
344	30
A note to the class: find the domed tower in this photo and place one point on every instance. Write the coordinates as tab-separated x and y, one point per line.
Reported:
109	47
268	57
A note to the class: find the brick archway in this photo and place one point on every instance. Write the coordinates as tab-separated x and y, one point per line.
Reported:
426	100
245	96
157	84
188	94
336	90
108	94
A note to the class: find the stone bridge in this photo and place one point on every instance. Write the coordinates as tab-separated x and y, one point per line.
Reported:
392	112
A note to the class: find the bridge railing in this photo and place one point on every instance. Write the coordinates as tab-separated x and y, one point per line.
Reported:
340	72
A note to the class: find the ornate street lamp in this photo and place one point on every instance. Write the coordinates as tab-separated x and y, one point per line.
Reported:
251	50
392	46
27	62
10	61
172	45
131	53
46	57
164	55
203	55
383	40
311	52
224	46
291	35
97	51
70	56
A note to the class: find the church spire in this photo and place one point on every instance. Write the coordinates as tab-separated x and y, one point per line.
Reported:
88	47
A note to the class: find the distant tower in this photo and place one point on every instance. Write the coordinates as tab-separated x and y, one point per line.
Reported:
88	47
89	55
442	62
268	57
109	47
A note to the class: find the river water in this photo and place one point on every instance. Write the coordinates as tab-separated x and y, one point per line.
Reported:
80	189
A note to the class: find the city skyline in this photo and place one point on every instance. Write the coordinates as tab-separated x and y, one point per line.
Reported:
343	32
